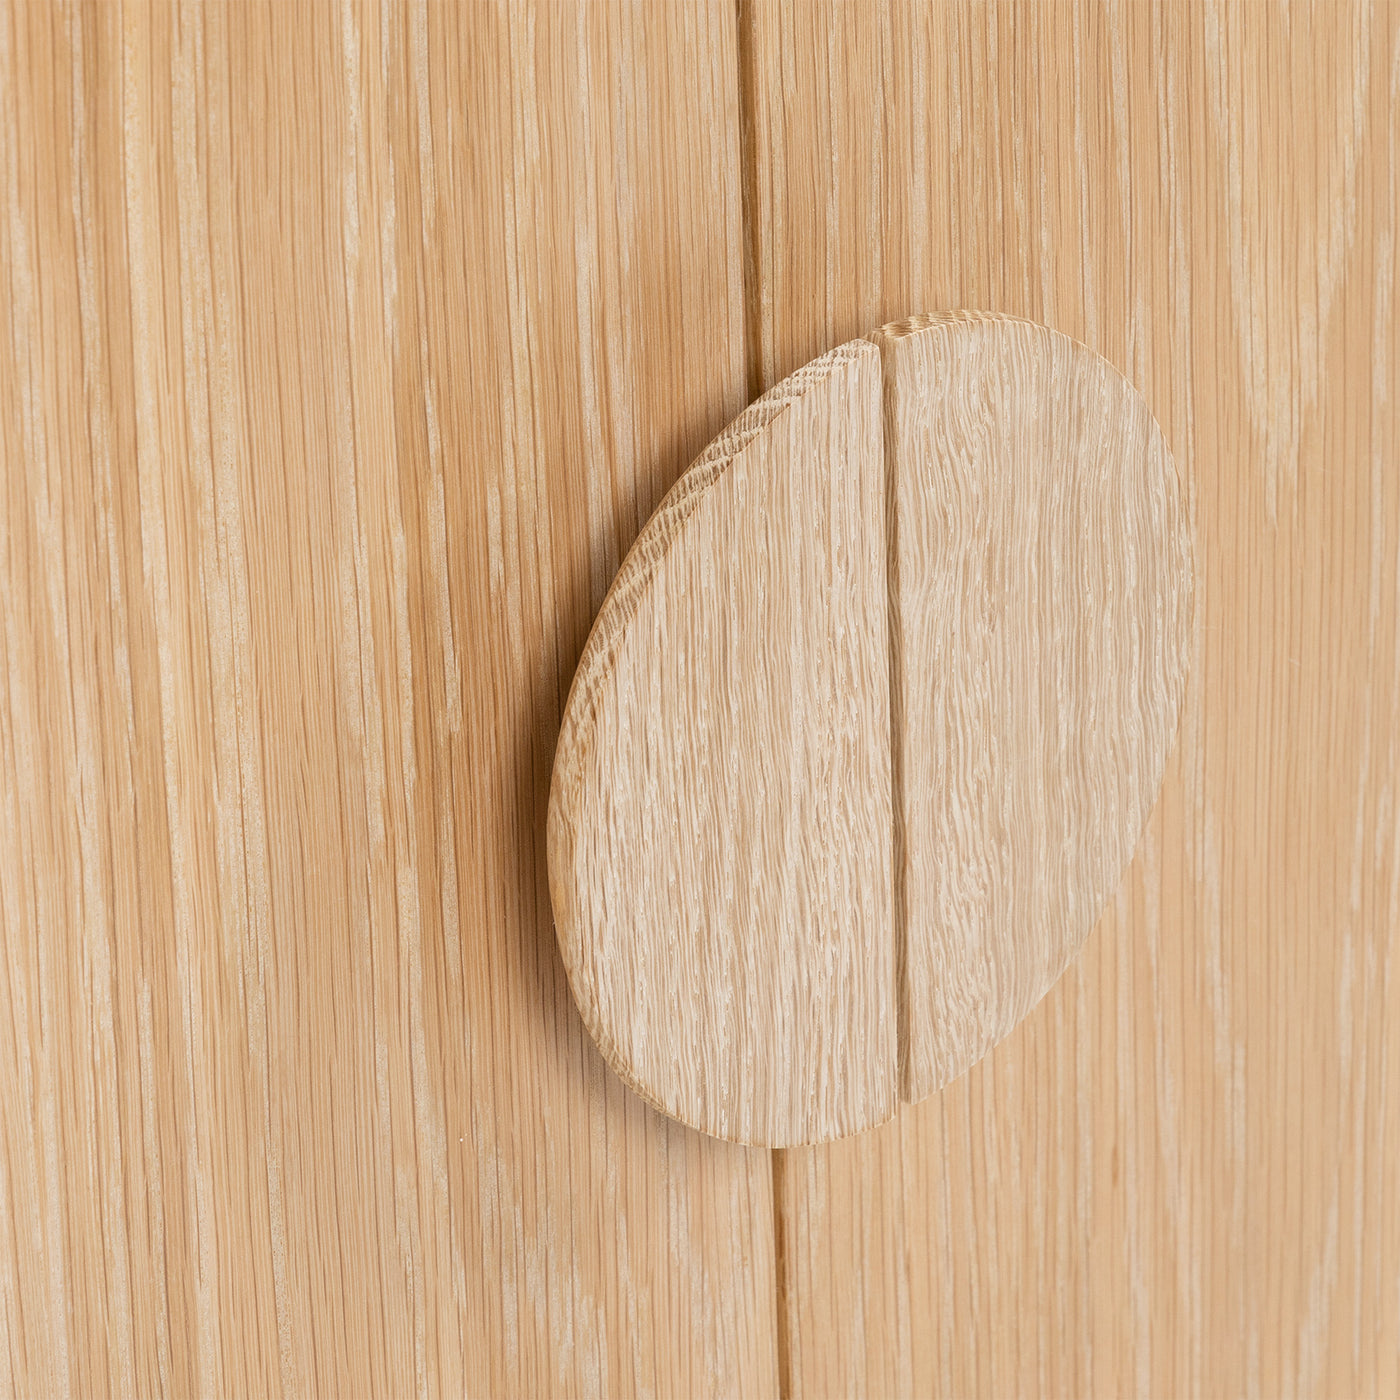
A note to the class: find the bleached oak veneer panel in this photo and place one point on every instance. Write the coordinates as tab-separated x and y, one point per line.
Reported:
1176	1176
720	817
343	350
1043	568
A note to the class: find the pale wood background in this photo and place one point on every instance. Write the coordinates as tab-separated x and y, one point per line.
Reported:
1179	1176
344	352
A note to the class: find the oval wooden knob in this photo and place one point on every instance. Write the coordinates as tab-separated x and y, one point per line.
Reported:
868	727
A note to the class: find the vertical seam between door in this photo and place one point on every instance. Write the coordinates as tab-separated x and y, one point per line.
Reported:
753	375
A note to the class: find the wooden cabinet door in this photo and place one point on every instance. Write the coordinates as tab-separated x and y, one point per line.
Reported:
1178	1176
343	352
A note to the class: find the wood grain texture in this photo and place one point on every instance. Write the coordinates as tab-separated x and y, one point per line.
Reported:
721	855
342	353
1176	1177
722	838
1042	571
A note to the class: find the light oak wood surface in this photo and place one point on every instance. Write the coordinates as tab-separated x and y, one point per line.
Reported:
344	351
340	363
1178	1176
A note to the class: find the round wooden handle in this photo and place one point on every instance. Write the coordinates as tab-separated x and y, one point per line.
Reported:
868	727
